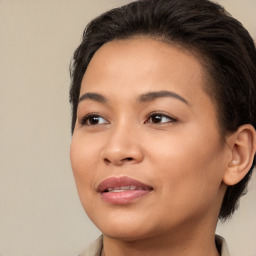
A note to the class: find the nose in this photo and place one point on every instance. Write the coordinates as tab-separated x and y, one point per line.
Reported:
122	147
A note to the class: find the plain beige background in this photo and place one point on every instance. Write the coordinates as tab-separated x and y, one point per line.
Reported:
40	213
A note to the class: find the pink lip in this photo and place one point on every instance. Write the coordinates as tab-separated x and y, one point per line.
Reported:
122	196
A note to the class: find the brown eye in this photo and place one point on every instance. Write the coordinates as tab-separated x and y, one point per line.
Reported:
158	118
93	119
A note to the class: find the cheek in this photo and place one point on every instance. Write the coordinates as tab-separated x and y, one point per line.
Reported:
82	158
83	161
189	166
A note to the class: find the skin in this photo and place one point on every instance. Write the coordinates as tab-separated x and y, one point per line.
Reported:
184	161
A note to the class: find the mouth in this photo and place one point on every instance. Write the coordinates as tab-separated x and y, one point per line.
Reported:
122	190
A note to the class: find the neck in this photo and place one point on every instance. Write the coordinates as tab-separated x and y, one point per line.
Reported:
171	244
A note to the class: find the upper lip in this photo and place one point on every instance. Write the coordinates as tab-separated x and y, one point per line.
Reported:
118	182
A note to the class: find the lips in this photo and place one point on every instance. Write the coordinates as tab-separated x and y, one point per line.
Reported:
122	190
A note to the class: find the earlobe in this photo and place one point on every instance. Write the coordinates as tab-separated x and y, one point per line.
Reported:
243	146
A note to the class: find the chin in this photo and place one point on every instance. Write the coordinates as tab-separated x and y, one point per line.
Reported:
126	235
126	227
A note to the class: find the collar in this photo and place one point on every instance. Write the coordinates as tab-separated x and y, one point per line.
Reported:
96	247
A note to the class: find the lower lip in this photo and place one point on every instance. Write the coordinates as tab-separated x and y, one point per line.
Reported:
123	197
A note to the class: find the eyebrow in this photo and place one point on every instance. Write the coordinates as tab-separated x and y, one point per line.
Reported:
93	96
146	97
151	96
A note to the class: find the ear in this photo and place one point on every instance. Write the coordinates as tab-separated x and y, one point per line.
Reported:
243	146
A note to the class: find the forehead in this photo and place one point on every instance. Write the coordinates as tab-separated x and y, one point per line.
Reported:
143	62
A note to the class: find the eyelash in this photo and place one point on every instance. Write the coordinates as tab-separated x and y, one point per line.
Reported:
87	120
161	115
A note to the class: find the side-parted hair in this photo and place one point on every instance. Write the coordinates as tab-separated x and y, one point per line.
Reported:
222	45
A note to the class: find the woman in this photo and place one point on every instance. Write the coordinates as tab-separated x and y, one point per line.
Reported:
164	115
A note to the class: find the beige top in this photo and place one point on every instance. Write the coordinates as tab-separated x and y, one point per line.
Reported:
96	247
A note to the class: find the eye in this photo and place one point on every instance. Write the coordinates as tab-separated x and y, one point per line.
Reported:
93	119
159	118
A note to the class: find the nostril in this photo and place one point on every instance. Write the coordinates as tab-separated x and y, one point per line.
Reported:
128	159
107	161
118	161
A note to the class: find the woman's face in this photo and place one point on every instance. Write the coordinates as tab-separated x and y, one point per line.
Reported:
146	153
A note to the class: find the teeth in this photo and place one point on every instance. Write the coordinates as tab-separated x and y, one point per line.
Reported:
123	188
